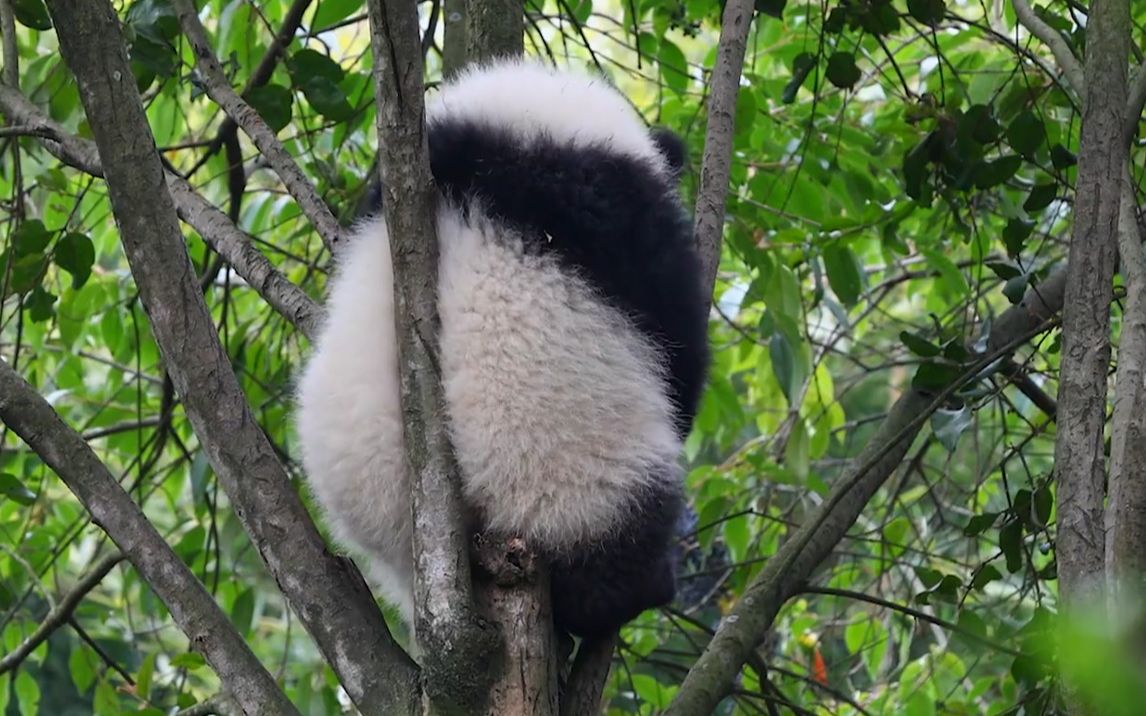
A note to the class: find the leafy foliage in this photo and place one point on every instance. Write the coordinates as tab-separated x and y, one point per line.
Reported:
902	175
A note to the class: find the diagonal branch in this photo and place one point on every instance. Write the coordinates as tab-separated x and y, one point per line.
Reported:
340	614
219	89
1050	37
61	612
716	166
192	607
214	226
713	675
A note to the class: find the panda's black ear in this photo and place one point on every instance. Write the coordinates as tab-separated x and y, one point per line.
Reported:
672	148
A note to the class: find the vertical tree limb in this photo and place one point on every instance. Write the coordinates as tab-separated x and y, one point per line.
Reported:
329	596
494	28
1126	512
716	166
192	607
1080	466
455	643
453	37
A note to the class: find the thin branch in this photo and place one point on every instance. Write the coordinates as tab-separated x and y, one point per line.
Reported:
215	228
915	613
455	643
327	593
254	126
61	612
1063	55
713	675
192	607
716	166
1135	101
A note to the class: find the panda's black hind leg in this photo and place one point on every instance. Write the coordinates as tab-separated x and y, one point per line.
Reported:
598	589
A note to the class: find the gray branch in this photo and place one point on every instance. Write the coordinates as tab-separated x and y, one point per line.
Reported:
713	675
716	166
213	225
61	612
456	643
1050	37
192	607
1080	465
329	596
1126	511
253	125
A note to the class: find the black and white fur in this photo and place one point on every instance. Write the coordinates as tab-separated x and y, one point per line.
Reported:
573	339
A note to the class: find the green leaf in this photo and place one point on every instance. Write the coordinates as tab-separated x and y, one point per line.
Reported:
243	611
154	19
1004	269
928	12
772	8
918	345
843	273
1015	235
934	377
995	172
28	693
948	589
842	70
978	122
331	12
1062	158
32	13
929	577
75	254
1044	503
915	172
31	237
1026	133
82	669
1011	543
106	698
14	489
39	305
27	272
273	103
783	363
190	660
1040	197
989	573
144	677
307	65
673	66
327	98
980	523
802	66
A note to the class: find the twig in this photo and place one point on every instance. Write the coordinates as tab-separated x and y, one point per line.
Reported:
1066	60
716	166
192	607
219	89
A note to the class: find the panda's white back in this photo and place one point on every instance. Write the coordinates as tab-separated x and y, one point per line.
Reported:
561	418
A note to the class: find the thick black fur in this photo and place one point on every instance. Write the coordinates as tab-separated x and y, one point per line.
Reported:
620	224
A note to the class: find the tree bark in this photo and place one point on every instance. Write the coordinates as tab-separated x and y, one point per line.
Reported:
329	596
494	28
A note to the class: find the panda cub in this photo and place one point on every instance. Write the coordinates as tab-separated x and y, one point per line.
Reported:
573	345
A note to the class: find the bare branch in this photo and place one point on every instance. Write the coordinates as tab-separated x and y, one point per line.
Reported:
453	640
1080	465
61	612
1135	101
11	72
712	677
582	693
716	166
329	596
1066	60
220	90
214	226
192	607
1126	513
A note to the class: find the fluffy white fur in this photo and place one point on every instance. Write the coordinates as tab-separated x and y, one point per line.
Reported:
532	99
555	413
